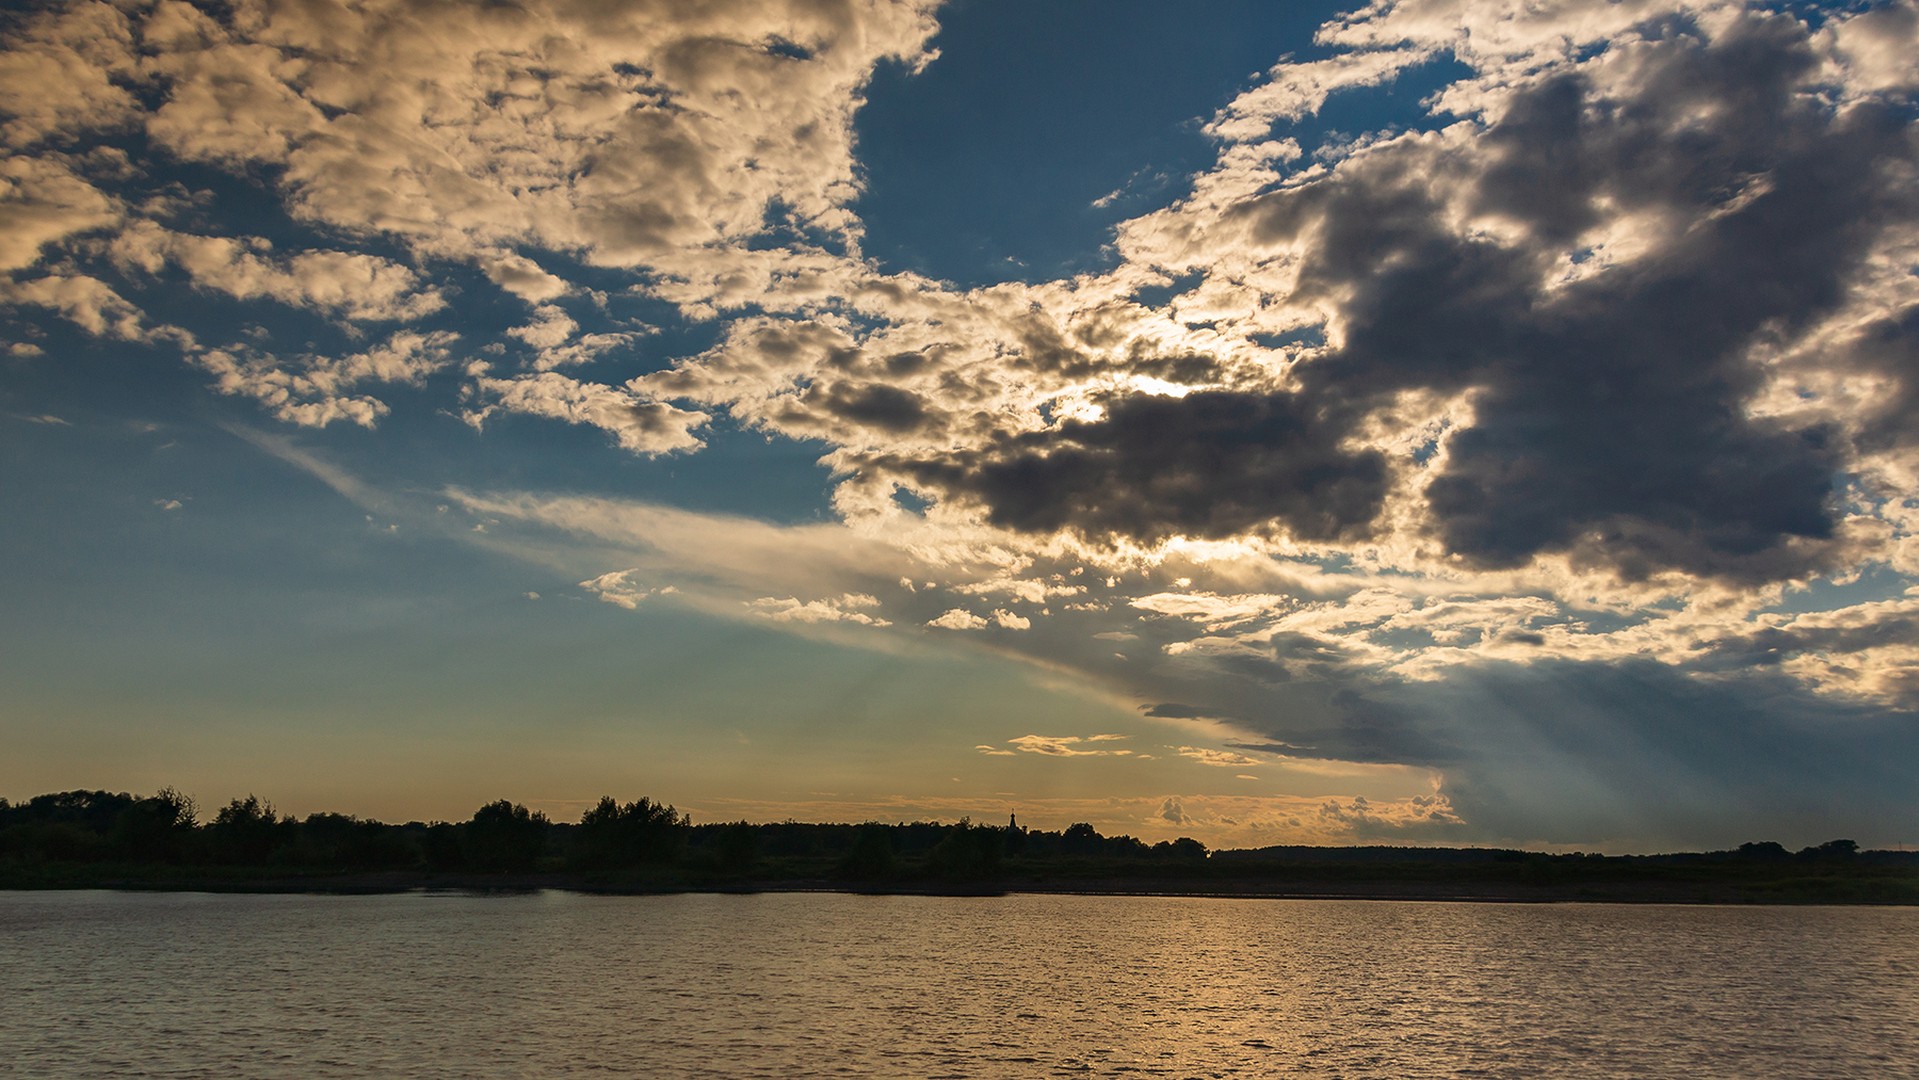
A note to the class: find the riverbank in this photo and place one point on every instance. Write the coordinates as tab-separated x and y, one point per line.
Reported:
1880	888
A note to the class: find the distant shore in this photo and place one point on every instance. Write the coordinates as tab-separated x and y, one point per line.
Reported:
1812	891
116	840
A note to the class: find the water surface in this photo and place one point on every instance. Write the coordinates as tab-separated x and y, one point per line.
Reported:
793	985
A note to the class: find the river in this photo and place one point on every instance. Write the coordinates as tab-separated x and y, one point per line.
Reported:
820	984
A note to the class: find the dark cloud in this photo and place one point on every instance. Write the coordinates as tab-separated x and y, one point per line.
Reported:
1889	347
1280	748
1172	710
877	405
1889	627
1612	417
1213	463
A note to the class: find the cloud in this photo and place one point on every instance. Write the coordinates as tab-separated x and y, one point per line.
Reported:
340	481
352	286
620	589
550	328
1360	818
1065	746
66	70
849	607
628	134
1872	49
524	278
1224	759
88	302
1170	710
1209	464
314	391
958	619
1294	90
644	427
42	202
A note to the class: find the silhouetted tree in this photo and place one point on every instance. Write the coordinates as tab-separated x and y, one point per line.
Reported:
1183	848
156	829
1831	850
1080	838
613	835
245	831
505	837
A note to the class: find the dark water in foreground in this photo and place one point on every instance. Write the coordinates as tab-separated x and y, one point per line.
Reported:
787	985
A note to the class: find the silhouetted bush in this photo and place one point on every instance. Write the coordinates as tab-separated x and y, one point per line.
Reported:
871	856
967	852
1183	848
1831	850
504	837
443	845
246	831
344	842
737	848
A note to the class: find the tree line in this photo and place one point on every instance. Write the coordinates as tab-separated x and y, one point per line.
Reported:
504	837
93	838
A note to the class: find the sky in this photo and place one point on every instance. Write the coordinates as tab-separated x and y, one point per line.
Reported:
1429	422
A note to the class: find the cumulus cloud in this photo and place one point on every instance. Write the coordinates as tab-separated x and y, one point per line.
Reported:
66	70
88	302
314	391
848	608
654	137
353	286
1600	417
621	588
524	278
643	427
628	134
43	201
957	619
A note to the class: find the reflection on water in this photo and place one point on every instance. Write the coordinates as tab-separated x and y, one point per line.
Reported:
783	985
